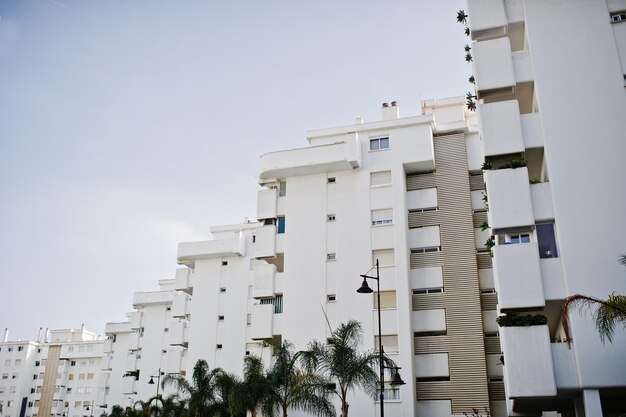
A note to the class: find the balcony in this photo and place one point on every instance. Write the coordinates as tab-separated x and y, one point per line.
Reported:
133	341
542	201
178	334
181	306
262	321
189	252
493	67
429	320
146	298
517	276
565	368
510	203
175	360
501	128
116	328
553	283
105	363
265	242
487	18
339	156
263	283
531	129
184	280
107	346
529	368
522	67
131	362
267	204
431	365
128	385
134	320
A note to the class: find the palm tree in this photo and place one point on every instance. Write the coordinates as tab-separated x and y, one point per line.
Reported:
341	362
607	312
248	394
293	388
201	393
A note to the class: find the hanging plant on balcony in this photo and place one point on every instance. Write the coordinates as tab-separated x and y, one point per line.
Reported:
467	31
469	101
461	17
471	79
484	226
486	166
490	243
512	319
468	57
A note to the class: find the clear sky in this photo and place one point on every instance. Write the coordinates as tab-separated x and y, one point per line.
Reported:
127	126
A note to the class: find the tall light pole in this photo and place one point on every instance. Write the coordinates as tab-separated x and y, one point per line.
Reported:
365	289
151	382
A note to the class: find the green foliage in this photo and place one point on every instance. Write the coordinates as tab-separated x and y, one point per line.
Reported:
486	166
476	413
461	17
467	31
468	57
484	226
490	243
469	101
535	180
467	48
512	319
471	79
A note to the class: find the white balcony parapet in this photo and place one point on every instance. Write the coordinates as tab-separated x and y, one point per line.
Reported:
189	252
531	128
429	320
180	305
115	328
178	334
486	15
432	365
553	282
267	204
265	243
144	298
517	276
174	360
529	368
339	156
510	204
128	385
493	67
501	128
565	368
134	320
105	363
131	362
262	321
107	346
263	284
542	201
522	67
133	341
184	281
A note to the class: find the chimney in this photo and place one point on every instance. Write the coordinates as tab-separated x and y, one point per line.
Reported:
5	338
391	112
39	335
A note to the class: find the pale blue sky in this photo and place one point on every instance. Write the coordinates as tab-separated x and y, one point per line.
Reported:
127	126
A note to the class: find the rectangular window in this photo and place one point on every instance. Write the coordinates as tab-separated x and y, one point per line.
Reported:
90	375
331	256
519	238
385	257
380	178
81	377
618	16
14	376
72	363
222	289
18	362
429	334
70	377
390	343
282	188
218	346
20	348
166	329
35	376
220	318
224	263
249	319
80	390
332	179
427	249
77	404
7	362
387	299
428	291
5	376
281	224
390	393
382	217
379	144
276	301
422	210
87	390
546	241
37	363
331	218
331	297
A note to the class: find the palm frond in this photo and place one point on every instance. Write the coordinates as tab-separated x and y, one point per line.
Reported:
606	313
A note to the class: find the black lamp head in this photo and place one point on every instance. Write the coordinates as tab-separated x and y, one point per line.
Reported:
364	289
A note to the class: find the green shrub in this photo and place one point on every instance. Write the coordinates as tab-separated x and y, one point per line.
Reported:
512	319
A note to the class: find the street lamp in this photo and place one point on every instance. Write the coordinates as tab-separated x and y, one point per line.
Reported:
151	382
397	380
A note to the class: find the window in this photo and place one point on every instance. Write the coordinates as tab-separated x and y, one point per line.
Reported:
222	289
253	238
10	403
81	377
281	224
248	319
390	343
330	218
519	238
18	362
72	363
69	390
14	376
87	390
385	257
5	376
80	390
332	179
2	390
546	241
492	334
219	346
432	378
422	210
220	318
387	299
7	362
380	178
90	375
489	291
93	361
10	349
32	390
391	393
20	348
35	376
166	329
618	17
38	390
141	331
77	404
382	217
70	377
276	301
427	249
331	256
30	404
282	188
379	143
224	263
433	333
37	363
428	291
12	390
70	348
331	297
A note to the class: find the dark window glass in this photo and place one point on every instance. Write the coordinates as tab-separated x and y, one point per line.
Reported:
546	241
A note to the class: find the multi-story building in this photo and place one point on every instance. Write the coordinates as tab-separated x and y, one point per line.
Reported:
550	83
58	374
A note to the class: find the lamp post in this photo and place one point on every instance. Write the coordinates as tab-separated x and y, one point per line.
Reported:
397	380
151	382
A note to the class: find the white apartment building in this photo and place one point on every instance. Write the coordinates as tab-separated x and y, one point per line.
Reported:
58	374
533	63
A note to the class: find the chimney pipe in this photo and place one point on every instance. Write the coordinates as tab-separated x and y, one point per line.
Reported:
5	338
391	112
